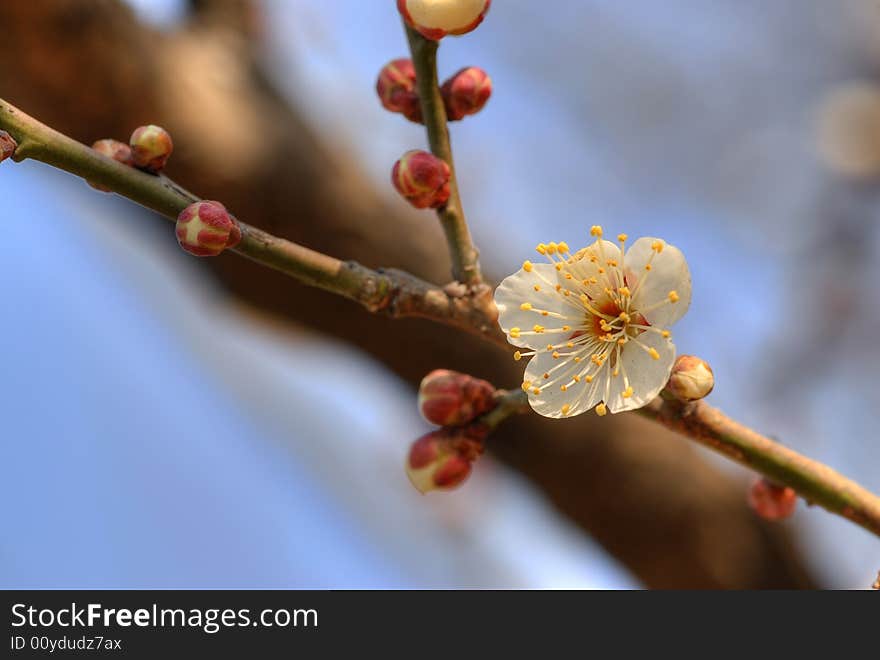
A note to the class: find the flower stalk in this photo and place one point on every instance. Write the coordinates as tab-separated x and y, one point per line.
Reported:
465	258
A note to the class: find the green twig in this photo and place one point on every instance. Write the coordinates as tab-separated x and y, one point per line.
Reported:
465	258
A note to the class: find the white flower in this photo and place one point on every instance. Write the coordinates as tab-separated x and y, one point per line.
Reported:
596	323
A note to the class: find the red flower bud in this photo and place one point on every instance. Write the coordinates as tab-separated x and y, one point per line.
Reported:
151	146
449	398
771	501
8	145
205	229
443	458
396	87
118	151
466	92
422	179
434	19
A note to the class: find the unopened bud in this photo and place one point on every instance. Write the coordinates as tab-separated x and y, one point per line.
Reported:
422	179
771	501
466	92
118	151
8	145
434	19
449	398
396	87
691	379
205	229
443	458
151	147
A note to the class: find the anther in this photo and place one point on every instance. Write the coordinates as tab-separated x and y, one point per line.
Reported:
525	307
628	392
527	266
517	356
601	410
673	296
596	230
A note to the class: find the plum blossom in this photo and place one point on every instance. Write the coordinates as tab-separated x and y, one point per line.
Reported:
595	323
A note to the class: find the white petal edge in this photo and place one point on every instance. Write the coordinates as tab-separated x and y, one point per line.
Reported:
519	288
580	397
669	272
647	376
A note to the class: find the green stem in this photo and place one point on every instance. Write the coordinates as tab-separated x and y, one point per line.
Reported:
465	258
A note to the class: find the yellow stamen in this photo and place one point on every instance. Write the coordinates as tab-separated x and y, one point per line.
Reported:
563	247
653	353
673	296
565	409
555	355
538	328
514	333
596	230
541	248
525	307
601	410
537	287
666	334
624	291
527	266
628	392
657	246
622	238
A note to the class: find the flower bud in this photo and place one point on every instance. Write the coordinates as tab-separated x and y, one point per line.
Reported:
151	146
396	87
434	19
118	151
443	458
205	229
422	179
449	398
691	379
8	145
466	92
771	501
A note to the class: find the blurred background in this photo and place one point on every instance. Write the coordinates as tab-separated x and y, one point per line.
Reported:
173	422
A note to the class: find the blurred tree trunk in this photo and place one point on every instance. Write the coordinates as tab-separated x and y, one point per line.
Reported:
92	70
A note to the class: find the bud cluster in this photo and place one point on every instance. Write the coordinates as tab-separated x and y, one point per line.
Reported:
465	93
442	459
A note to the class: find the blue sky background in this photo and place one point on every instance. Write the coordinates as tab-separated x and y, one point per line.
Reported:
131	459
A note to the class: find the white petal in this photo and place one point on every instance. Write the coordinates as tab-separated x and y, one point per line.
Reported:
669	272
582	269
646	375
519	288
580	397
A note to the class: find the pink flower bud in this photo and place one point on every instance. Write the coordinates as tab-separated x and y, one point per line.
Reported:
466	92
434	19
422	179
8	145
691	379
449	398
118	151
771	501
396	87
205	229
151	146
443	458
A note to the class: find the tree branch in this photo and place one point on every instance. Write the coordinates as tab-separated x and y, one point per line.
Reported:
815	482
399	294
465	257
392	292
